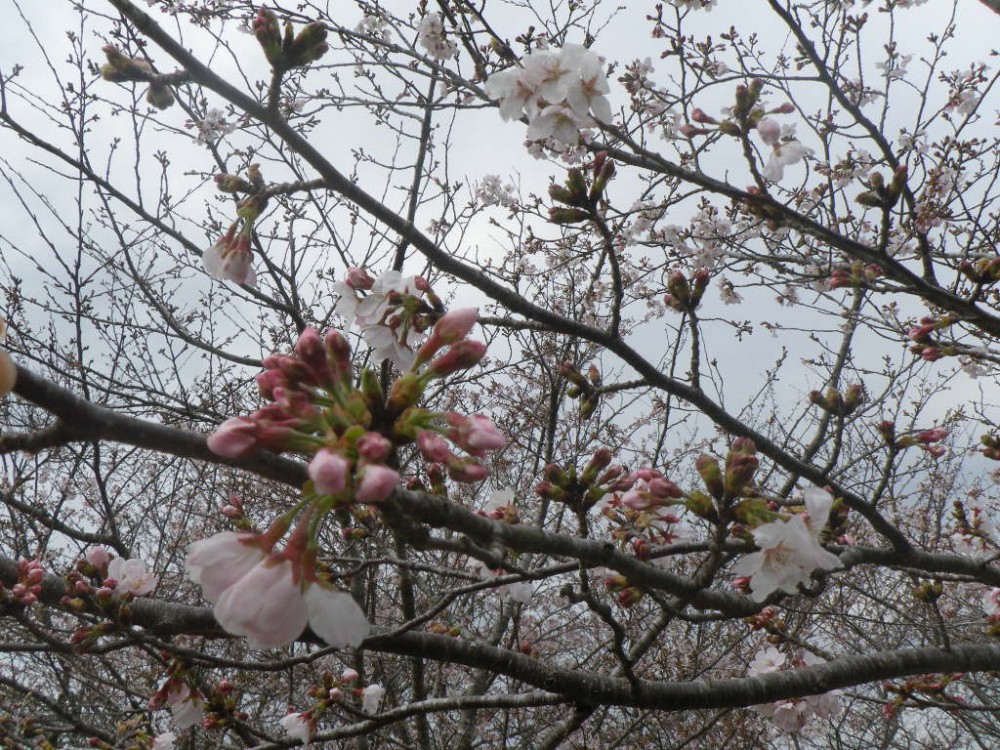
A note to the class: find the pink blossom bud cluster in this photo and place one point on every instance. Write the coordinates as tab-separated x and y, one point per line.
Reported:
975	532
683	295
791	715
857	275
927	346
923	439
28	588
649	511
327	692
920	689
558	92
230	258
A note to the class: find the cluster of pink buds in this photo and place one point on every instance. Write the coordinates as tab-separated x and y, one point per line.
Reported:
647	512
746	112
120	68
984	271
683	295
923	439
28	588
231	257
791	715
352	433
991	446
289	50
924	344
740	467
581	200
855	275
921	688
328	692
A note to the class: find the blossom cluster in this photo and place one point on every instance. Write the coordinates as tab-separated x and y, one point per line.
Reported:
791	715
301	725
352	433
558	92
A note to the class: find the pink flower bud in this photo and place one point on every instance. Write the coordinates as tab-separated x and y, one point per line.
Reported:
455	325
349	675
377	483
335	694
98	557
328	471
373	447
698	115
933	435
230	511
234	438
785	109
359	279
461	356
434	447
467	471
769	130
475	434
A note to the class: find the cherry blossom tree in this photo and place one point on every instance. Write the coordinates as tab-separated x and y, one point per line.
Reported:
468	375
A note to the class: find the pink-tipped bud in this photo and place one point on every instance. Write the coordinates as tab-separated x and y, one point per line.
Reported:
456	325
359	279
933	435
434	447
461	356
475	434
377	483
373	447
98	557
234	438
328	471
349	675
468	471
335	694
699	115
784	109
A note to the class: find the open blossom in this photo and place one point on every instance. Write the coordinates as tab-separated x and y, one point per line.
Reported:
371	698
297	726
258	597
164	741
431	35
131	576
187	706
220	561
789	550
559	92
335	617
783	153
767	660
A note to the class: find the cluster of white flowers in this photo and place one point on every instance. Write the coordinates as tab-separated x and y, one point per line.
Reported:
212	127
373	315
375	27
492	191
558	92
694	4
784	153
789	549
131	577
964	102
791	715
432	37
297	726
895	67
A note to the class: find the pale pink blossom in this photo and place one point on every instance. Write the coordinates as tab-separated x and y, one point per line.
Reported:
349	675
297	726
265	605
131	576
767	660
991	602
431	35
377	483
475	434
371	698
769	130
789	550
335	617
784	154
221	560
187	706
164	741
556	121
230	259
328	470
